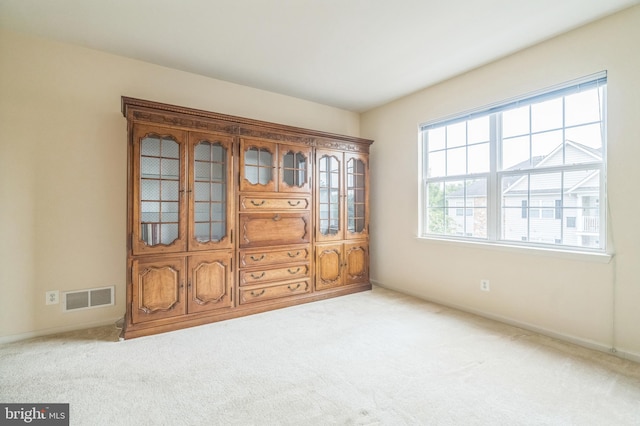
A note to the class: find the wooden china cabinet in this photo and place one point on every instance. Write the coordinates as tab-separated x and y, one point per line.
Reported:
229	216
342	223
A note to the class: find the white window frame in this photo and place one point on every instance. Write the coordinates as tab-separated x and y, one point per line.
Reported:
494	176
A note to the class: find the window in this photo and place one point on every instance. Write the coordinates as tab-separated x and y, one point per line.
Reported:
530	171
460	211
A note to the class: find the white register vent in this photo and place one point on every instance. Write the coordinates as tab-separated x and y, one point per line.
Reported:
88	299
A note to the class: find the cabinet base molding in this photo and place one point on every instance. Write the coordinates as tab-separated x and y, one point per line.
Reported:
146	329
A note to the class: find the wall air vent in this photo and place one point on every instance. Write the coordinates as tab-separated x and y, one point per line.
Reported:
88	299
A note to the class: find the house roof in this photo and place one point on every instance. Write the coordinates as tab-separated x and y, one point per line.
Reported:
479	188
592	152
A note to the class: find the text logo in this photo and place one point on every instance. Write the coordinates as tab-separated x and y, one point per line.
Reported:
34	414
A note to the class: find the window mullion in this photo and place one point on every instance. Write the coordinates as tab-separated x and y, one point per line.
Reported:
603	176
464	181
493	183
422	194
562	207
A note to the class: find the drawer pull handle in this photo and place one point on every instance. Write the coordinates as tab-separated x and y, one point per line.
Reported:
293	255
256	259
257	204
254	294
293	272
295	288
277	217
257	277
292	204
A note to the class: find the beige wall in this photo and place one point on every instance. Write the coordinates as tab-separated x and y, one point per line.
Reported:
595	303
63	168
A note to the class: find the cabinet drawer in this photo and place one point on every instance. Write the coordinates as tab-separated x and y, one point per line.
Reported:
250	258
270	229
259	203
259	294
275	274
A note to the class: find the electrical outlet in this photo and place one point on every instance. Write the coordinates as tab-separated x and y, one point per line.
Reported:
484	285
52	297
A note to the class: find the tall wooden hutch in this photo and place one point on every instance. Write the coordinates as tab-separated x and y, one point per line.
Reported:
229	216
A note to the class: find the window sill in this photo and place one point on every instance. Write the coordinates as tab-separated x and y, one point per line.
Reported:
586	256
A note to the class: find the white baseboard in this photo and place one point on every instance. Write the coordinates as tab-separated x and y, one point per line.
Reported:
45	332
526	326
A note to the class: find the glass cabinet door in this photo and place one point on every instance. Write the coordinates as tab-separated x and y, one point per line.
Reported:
257	165
158	168
211	196
294	168
329	188
357	214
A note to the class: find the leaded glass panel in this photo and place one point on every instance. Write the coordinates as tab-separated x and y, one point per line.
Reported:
210	184
159	190
329	187
355	195
258	165
294	167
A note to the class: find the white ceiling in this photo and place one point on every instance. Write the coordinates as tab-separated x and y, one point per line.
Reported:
351	54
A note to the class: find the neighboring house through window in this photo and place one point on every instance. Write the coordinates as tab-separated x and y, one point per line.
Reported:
528	171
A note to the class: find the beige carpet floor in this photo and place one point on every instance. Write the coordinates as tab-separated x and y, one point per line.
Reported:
373	358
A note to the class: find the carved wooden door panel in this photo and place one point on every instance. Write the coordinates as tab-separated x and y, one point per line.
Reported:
158	289
272	229
329	266
356	262
210	282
